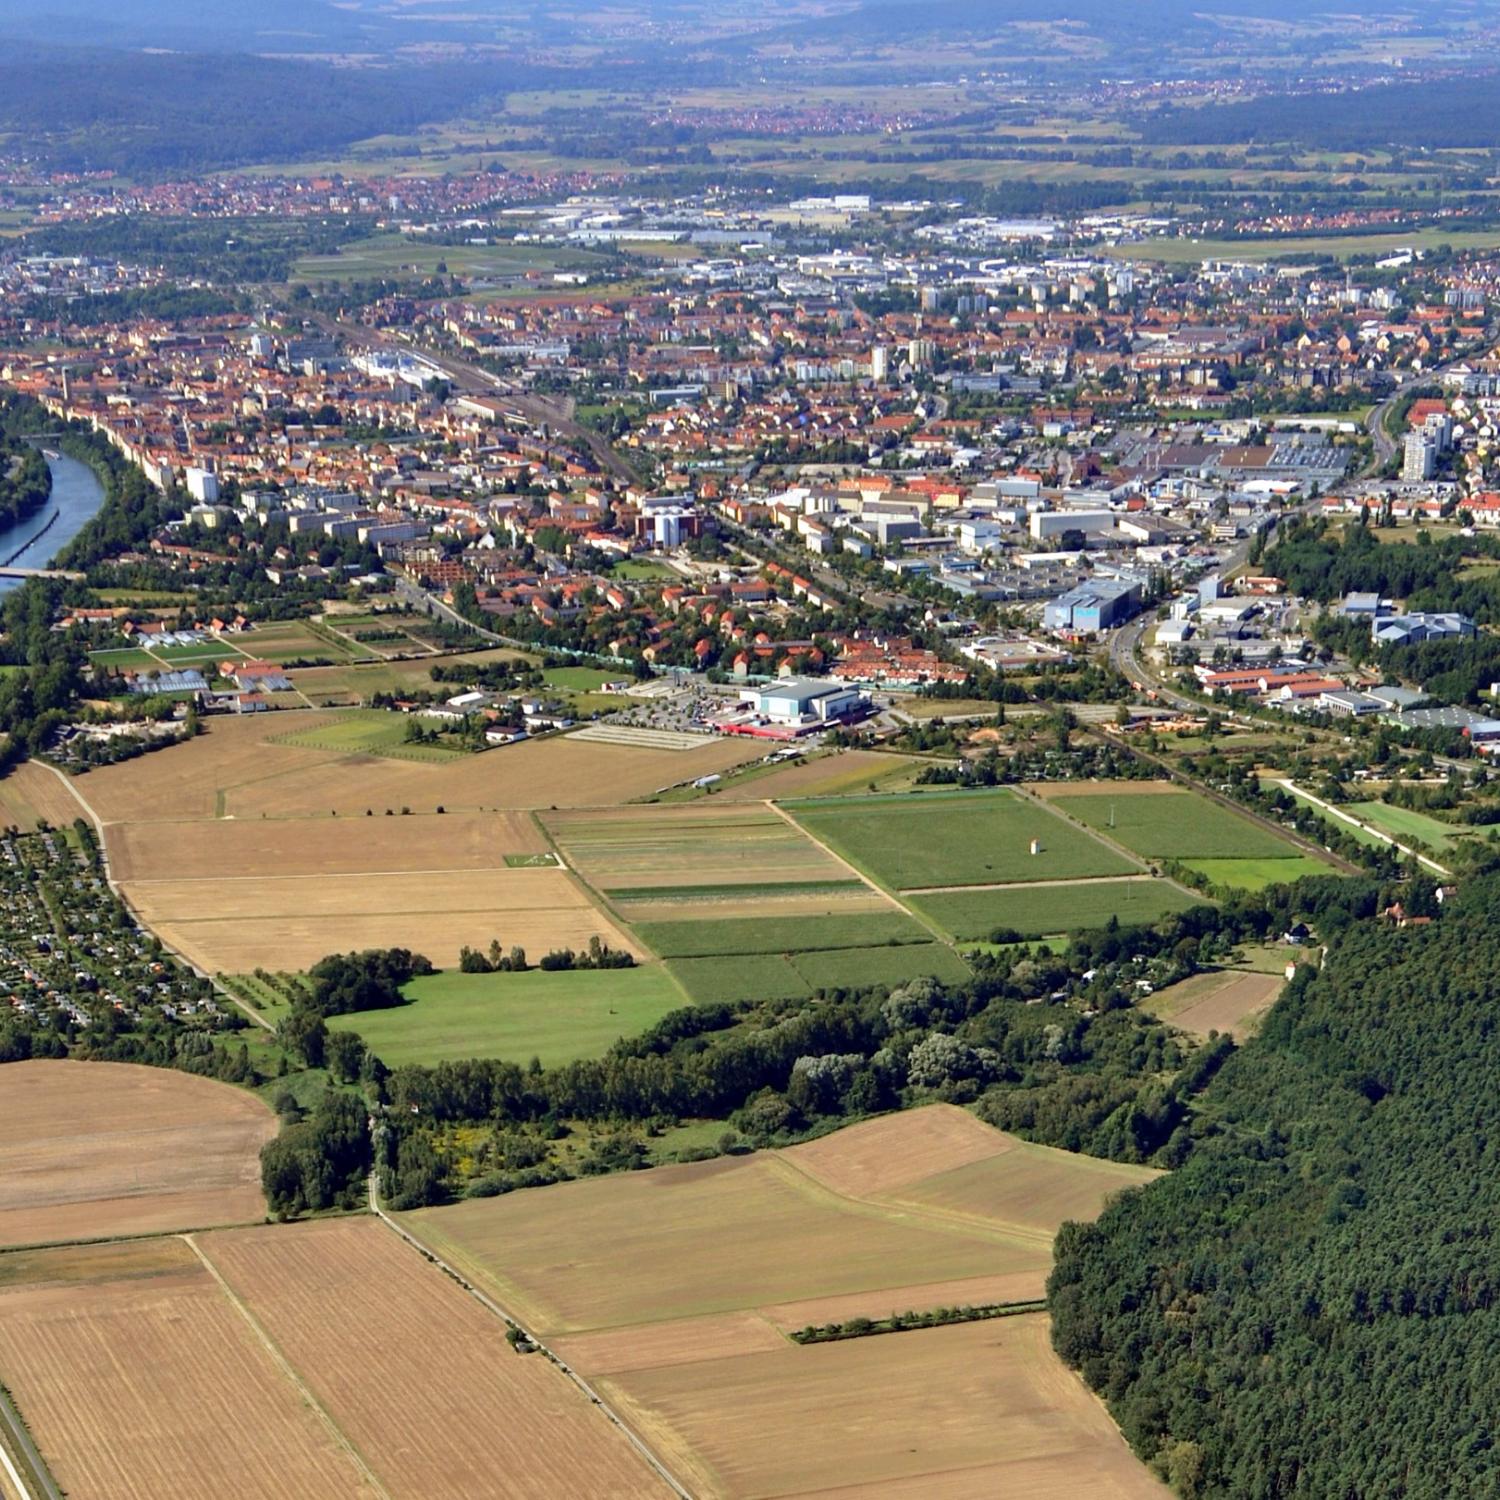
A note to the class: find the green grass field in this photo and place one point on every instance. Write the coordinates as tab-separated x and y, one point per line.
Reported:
370	731
970	916
966	838
775	976
1405	824
1175	825
558	1017
580	679
780	934
1257	874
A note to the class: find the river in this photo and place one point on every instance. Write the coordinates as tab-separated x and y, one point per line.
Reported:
76	498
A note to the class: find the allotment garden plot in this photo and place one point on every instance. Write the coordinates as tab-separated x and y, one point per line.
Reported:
1205	836
675	1290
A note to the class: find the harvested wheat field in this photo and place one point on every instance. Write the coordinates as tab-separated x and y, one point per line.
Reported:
329	846
880	1155
140	1380
843	1217
32	794
231	770
95	1149
674	1291
713	1237
1229	1000
416	1374
1026	1188
292	921
824	776
968	1411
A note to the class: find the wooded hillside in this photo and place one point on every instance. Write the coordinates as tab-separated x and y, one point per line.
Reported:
1308	1305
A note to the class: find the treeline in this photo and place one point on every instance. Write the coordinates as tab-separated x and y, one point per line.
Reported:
1049	1046
1307	1306
1425	116
25	481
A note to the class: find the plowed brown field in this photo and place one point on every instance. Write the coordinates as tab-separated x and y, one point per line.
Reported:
94	1149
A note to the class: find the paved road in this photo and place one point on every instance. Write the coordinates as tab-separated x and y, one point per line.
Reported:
17	1438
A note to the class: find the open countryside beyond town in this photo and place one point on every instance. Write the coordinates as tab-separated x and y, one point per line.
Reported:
746	752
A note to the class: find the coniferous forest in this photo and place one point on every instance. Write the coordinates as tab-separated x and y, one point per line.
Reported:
1308	1305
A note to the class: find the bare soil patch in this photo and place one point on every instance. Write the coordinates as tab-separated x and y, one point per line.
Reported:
94	1149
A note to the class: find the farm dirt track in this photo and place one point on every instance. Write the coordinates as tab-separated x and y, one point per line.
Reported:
295	920
143	1382
95	1149
416	1373
231	770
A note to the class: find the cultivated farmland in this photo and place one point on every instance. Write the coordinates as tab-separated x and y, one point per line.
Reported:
298	919
234	770
968	1412
672	1289
416	1374
1224	1000
633	851
557	1016
1174	825
1045	909
95	1149
139	1379
329	846
957	839
31	794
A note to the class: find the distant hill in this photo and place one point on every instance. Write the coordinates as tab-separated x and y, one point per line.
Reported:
1455	112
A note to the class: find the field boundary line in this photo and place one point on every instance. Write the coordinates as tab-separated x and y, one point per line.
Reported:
952	1221
865	877
287	1369
1294	790
17	1436
486	1301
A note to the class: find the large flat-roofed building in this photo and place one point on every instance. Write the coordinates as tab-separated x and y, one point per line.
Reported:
794	700
1092	607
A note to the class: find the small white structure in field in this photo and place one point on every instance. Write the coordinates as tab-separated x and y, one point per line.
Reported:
1036	846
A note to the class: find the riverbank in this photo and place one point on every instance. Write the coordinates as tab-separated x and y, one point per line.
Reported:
77	495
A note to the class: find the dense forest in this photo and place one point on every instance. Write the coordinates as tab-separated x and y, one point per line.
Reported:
1426	116
1308	1305
95	108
